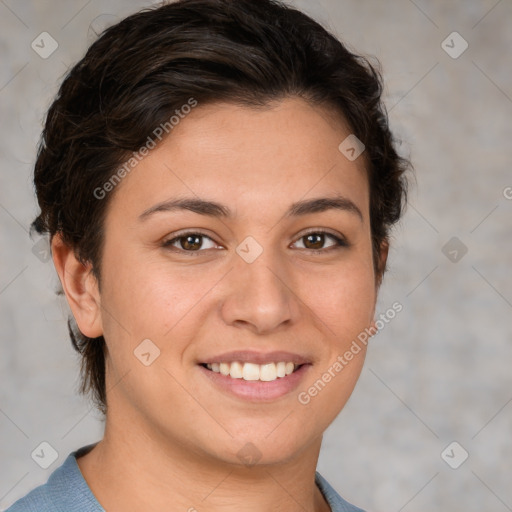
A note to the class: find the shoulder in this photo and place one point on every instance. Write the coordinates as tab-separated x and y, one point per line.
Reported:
65	491
336	502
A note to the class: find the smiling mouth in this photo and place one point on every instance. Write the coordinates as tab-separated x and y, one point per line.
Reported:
253	372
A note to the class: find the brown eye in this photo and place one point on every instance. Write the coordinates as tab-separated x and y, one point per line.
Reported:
315	240
189	242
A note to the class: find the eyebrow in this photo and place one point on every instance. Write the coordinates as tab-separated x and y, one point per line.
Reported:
214	209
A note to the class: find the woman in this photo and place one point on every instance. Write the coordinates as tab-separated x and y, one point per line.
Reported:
218	182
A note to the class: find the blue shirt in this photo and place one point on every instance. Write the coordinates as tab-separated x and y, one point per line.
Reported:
67	491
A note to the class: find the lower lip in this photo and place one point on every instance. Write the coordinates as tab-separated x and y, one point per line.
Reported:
256	390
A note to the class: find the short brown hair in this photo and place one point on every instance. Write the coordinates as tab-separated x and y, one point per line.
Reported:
139	71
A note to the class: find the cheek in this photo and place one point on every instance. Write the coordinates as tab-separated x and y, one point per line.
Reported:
343	301
155	302
342	310
343	298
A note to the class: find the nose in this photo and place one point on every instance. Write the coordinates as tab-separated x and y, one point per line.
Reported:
259	296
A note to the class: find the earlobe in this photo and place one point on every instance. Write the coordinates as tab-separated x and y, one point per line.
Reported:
383	257
80	287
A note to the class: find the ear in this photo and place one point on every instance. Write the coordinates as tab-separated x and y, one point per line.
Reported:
80	286
383	257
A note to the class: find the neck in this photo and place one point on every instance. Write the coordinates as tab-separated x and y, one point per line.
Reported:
141	471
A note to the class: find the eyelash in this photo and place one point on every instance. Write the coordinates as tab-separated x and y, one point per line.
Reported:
341	242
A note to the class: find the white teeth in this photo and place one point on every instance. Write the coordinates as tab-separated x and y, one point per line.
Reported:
268	372
236	370
224	368
251	371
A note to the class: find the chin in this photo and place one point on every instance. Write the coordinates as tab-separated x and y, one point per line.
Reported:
261	450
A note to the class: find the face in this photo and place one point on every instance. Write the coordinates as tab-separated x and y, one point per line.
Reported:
263	276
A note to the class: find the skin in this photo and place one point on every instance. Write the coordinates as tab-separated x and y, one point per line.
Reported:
170	436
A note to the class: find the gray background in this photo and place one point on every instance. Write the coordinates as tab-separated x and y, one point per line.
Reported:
439	372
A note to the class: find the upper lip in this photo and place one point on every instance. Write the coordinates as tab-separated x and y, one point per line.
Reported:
250	356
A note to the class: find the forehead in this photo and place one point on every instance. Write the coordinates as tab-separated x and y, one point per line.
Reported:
250	158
